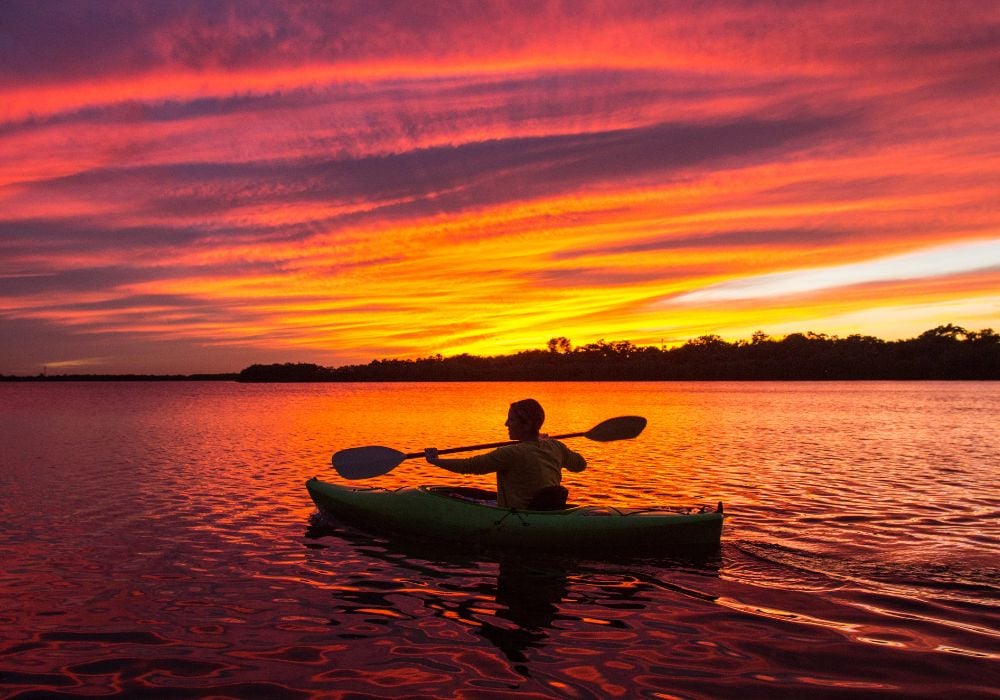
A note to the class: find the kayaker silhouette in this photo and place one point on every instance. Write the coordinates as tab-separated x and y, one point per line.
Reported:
529	473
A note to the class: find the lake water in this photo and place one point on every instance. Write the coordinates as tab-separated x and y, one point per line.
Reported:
156	540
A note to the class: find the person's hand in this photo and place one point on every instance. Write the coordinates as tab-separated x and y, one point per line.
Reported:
431	455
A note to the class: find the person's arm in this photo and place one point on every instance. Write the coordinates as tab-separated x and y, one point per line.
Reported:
452	465
480	464
572	461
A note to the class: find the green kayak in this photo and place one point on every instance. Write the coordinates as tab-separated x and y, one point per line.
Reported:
455	514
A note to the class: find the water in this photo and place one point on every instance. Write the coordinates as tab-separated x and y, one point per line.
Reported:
156	540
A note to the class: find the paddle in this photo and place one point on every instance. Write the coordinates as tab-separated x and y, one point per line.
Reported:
366	462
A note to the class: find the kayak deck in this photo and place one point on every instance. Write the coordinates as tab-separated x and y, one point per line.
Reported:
458	514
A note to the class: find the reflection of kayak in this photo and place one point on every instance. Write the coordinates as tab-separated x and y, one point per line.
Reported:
454	514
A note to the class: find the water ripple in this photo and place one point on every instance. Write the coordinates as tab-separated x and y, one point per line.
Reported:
157	540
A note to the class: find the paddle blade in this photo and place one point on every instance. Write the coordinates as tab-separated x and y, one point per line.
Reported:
621	428
366	462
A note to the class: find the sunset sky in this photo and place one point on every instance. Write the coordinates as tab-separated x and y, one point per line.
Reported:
199	186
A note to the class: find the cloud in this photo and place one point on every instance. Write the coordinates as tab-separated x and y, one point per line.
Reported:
735	239
423	181
934	262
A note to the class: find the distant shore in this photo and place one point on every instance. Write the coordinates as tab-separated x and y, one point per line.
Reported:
944	353
220	377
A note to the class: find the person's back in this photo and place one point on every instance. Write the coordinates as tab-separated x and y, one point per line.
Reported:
524	469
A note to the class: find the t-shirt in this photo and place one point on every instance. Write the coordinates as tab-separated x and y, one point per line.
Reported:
523	469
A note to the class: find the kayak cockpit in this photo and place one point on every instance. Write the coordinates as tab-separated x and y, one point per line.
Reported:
485	497
551	498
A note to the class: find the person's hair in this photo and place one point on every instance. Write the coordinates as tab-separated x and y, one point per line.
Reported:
531	412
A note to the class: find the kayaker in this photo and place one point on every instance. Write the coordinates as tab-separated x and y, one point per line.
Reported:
523	470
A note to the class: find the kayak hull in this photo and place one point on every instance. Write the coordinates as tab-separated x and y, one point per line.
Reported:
429	512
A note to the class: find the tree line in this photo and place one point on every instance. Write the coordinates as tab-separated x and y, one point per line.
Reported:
45	377
944	352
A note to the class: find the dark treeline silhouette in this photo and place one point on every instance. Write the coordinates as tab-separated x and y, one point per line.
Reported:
224	376
945	352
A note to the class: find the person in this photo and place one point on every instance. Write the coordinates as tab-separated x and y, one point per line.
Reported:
524	469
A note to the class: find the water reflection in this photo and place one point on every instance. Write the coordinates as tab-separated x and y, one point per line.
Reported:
528	596
511	600
151	544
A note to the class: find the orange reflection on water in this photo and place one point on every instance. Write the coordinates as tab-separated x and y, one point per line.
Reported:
178	541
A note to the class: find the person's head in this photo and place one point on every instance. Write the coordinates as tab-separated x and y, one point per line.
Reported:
524	419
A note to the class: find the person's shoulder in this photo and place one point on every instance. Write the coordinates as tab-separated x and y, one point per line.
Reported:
521	449
509	450
558	444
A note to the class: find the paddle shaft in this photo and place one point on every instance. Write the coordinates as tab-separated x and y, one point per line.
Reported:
490	445
375	460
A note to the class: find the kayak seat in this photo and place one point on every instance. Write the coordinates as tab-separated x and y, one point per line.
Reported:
549	498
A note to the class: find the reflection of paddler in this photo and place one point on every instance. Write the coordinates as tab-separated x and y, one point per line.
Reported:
530	595
528	473
529	598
